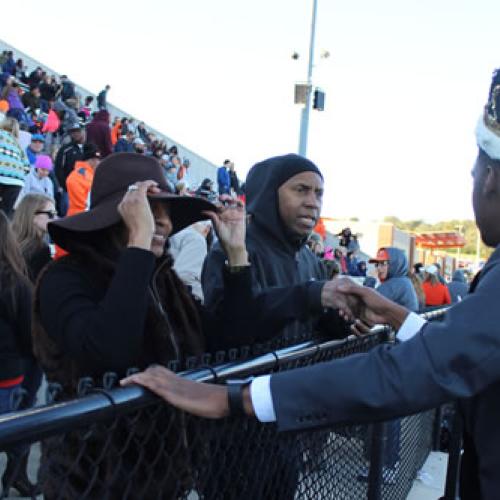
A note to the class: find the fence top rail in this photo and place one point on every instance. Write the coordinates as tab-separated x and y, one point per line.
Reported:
100	404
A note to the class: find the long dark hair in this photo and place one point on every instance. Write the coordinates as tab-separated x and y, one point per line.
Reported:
12	265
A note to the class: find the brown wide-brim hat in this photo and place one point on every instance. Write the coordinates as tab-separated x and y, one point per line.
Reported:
111	181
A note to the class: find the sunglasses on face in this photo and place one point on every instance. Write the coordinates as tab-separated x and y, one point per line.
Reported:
381	264
49	213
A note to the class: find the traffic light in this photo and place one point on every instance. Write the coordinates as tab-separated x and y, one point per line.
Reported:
319	100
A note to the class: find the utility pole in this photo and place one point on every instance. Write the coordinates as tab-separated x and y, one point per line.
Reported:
304	119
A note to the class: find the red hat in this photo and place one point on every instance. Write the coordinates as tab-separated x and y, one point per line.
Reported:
382	256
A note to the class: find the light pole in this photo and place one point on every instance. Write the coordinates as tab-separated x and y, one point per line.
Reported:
304	119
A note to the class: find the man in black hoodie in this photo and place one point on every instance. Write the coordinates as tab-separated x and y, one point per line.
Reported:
291	291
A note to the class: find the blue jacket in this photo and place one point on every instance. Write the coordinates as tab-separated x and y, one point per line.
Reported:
458	287
457	358
123	146
223	180
397	286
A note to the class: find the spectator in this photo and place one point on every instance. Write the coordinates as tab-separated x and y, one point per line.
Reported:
223	179
458	286
48	92
416	281
290	291
30	227
206	190
86	109
115	130
10	93
21	71
439	273
99	133
348	240
132	126
171	176
316	245
79	182
67	88
281	220
436	294
102	98
106	282
352	264
35	147
14	165
332	269
340	257
37	181
139	146
35	77
182	169
125	143
124	125
65	161
141	130
31	99
392	270
9	66
189	249
362	268
233	180
181	189
15	343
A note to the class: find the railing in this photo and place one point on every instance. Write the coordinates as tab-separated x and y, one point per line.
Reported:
124	443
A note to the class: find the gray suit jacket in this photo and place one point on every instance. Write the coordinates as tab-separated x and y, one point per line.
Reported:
458	358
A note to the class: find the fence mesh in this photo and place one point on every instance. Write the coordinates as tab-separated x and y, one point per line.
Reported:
160	453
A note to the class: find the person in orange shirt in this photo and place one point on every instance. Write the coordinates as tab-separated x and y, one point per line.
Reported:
78	184
116	131
436	294
80	180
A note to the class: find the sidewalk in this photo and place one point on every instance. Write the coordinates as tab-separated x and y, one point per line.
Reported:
431	480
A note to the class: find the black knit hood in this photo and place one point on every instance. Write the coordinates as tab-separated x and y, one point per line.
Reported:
262	184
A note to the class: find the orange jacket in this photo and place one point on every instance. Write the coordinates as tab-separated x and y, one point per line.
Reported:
78	185
436	295
115	133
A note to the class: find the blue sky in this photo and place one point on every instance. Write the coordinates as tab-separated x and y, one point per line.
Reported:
404	85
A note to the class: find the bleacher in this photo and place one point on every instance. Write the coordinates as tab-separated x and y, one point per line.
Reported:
200	168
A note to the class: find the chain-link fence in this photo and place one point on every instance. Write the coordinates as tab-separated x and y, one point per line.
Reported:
123	443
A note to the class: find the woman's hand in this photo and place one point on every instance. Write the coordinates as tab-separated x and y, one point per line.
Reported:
136	214
230	225
203	400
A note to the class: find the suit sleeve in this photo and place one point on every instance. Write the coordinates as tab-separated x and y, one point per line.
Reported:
456	358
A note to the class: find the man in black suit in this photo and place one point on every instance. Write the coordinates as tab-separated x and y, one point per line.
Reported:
458	358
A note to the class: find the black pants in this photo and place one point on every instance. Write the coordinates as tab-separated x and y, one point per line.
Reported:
8	197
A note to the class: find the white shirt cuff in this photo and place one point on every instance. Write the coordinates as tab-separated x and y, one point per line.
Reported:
412	325
262	400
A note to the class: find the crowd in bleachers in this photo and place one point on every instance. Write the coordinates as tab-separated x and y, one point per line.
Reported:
55	121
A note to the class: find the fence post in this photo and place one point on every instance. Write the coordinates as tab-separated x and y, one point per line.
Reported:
375	479
436	429
454	453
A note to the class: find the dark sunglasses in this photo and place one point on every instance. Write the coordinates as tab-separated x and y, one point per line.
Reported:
381	264
49	213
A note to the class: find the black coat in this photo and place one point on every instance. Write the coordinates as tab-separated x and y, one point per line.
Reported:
287	279
15	329
66	158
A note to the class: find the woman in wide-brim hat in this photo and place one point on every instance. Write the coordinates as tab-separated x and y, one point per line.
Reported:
114	303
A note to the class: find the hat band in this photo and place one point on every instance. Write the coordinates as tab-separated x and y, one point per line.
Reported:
486	139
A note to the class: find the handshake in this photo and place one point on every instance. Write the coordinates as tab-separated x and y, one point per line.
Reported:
361	306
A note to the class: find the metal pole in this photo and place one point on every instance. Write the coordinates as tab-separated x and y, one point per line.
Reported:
304	119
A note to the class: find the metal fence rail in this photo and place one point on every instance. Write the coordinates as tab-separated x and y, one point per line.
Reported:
123	443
